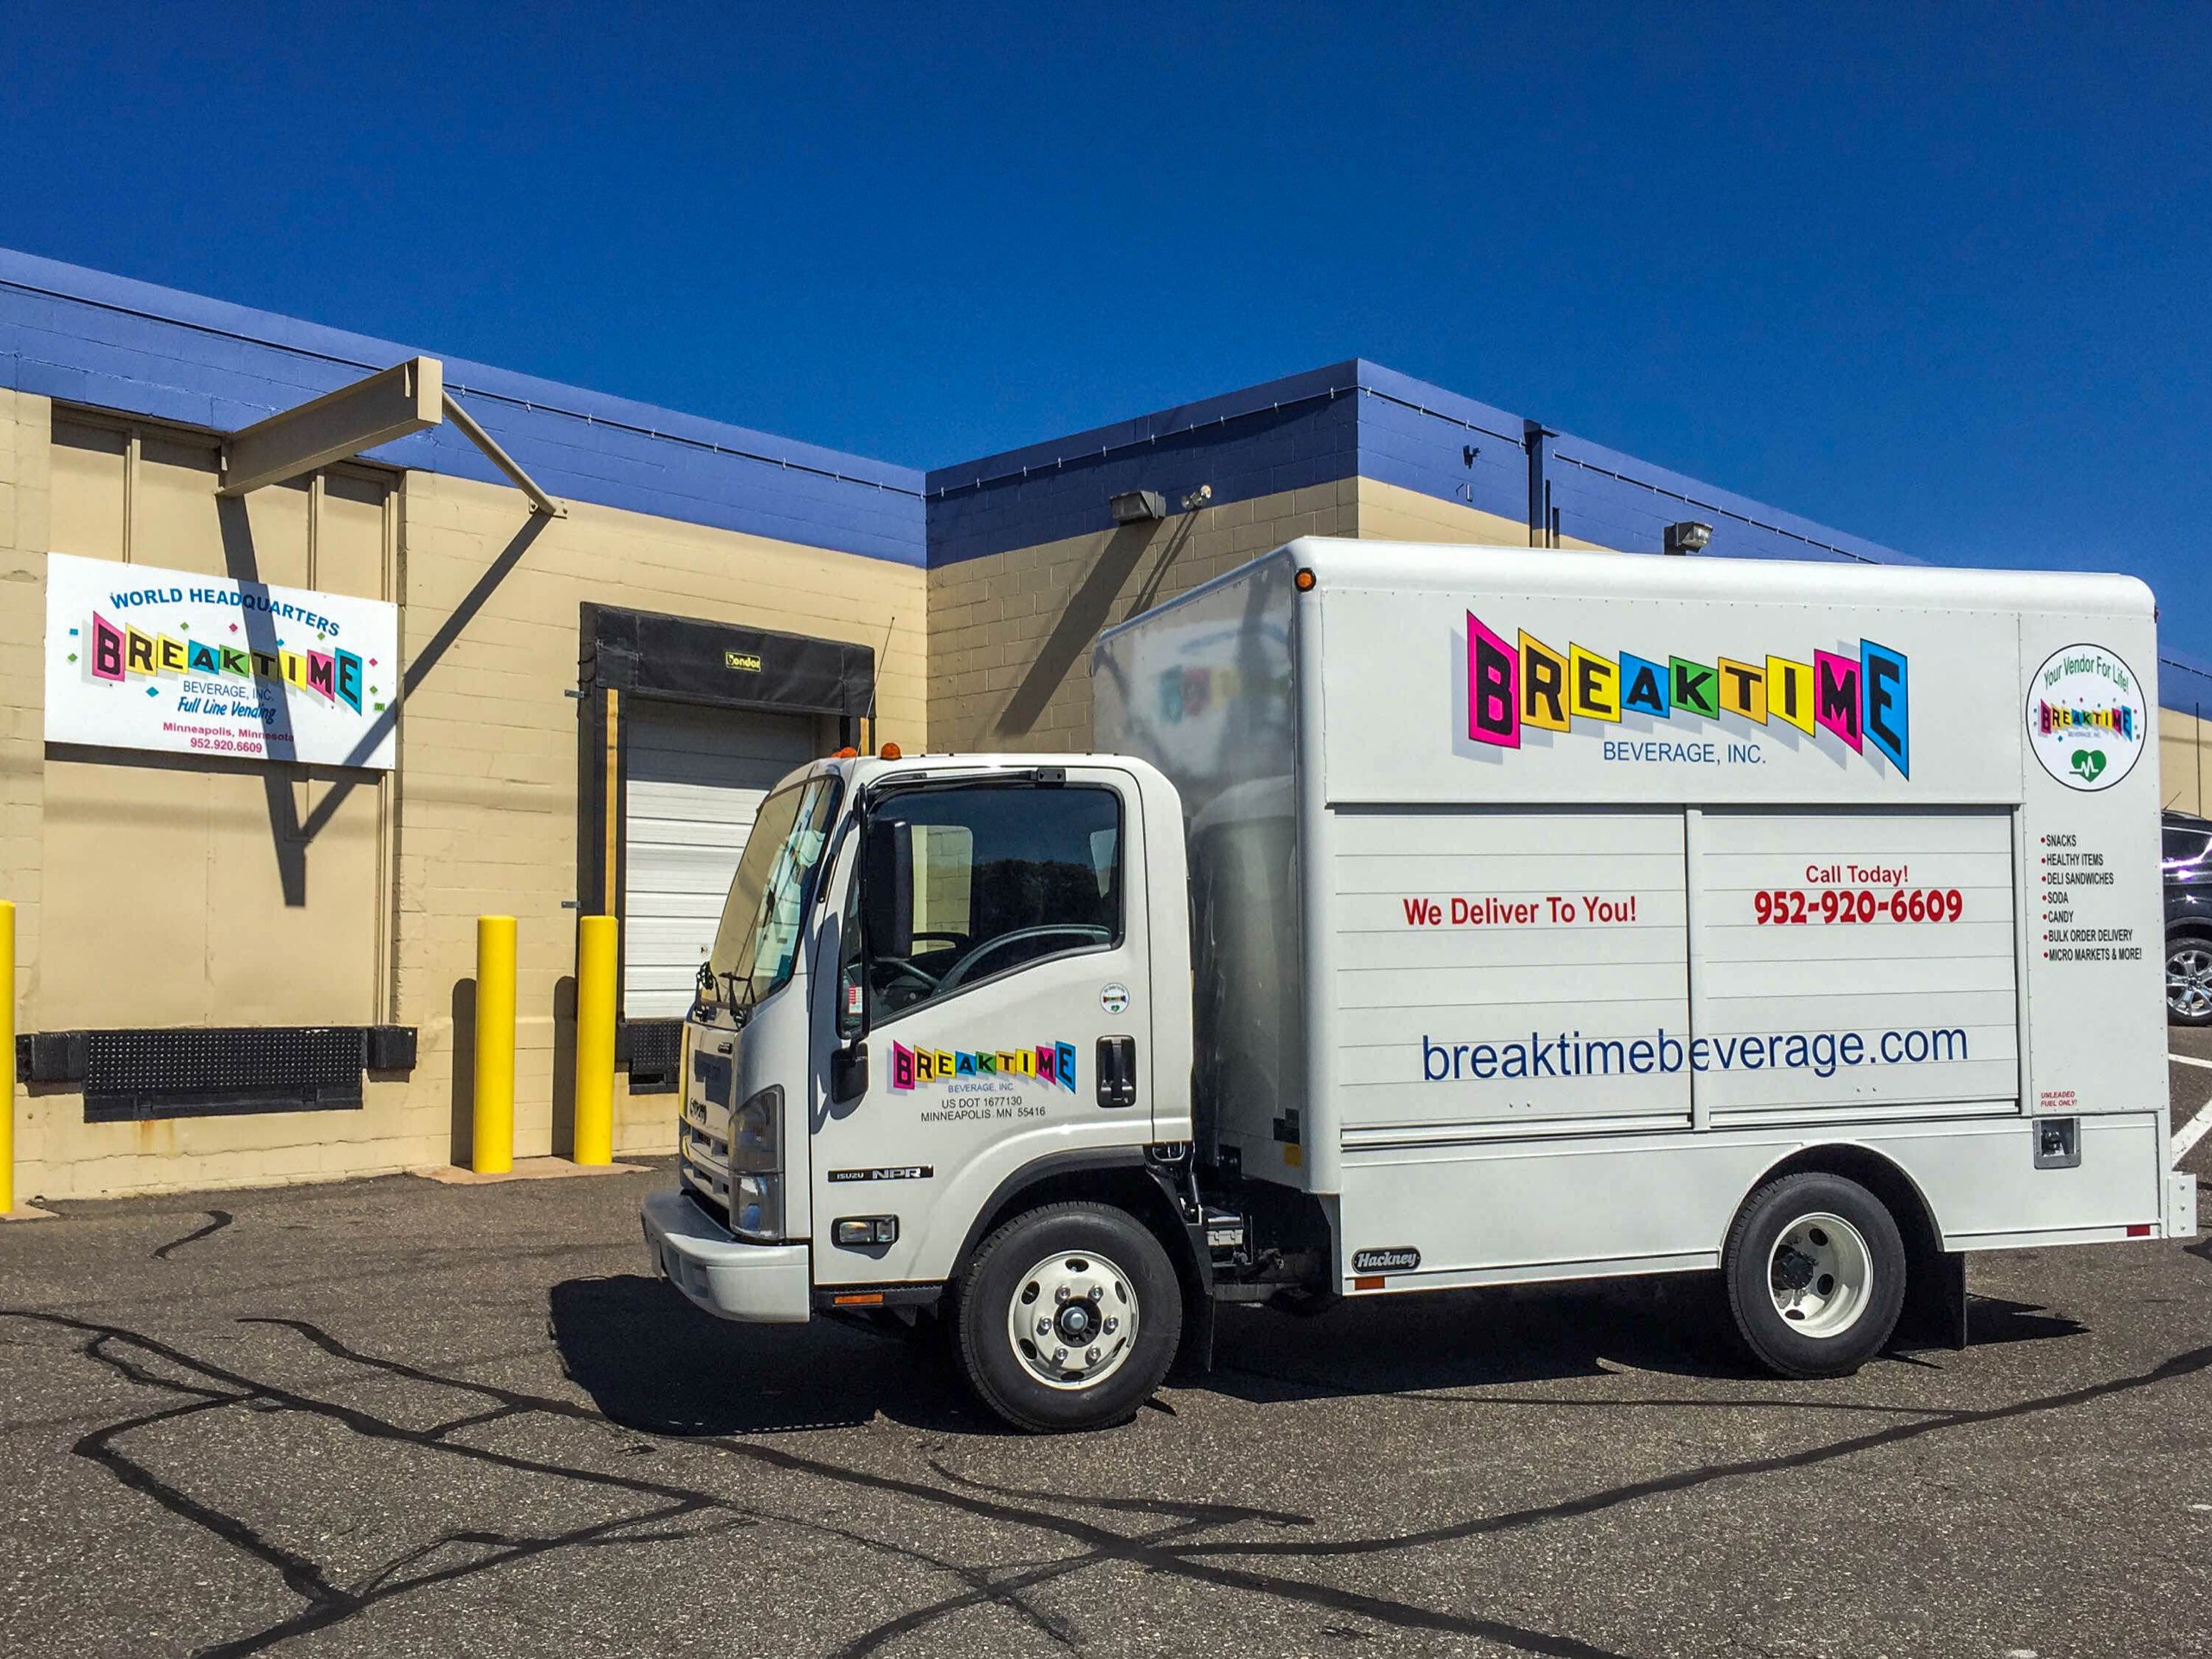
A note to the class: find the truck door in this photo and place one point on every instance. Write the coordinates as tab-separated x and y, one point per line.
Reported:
994	929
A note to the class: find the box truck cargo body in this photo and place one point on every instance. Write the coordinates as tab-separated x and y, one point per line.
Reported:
1436	917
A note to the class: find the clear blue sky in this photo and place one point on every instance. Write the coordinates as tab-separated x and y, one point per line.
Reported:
1942	276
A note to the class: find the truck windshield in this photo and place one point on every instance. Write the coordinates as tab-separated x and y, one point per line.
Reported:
757	944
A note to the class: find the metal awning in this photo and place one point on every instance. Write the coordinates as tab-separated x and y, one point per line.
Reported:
398	403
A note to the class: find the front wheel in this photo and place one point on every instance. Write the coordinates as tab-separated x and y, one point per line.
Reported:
1068	1318
1815	1267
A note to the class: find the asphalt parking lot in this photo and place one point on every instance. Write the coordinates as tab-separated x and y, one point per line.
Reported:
398	1418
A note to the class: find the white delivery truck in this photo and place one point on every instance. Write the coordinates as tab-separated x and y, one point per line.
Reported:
1436	917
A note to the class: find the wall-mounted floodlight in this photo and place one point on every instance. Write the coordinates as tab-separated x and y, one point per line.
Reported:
1138	506
1198	498
1687	536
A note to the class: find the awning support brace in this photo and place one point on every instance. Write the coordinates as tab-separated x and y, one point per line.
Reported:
539	501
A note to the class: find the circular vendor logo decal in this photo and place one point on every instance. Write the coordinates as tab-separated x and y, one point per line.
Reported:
2086	721
1114	998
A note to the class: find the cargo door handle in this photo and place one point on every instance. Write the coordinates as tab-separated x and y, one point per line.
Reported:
1117	1070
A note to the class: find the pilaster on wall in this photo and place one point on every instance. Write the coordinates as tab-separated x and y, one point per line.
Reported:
1010	634
26	466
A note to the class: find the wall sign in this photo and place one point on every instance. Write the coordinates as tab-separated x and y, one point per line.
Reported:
141	658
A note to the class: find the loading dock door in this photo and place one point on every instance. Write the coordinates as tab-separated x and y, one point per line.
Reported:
696	778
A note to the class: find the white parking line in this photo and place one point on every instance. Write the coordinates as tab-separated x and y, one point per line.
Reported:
2187	1136
2187	1059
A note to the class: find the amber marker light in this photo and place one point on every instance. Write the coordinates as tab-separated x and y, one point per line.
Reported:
846	754
889	752
867	1298
1304	580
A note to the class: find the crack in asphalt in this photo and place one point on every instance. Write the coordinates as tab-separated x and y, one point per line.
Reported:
1180	1547
217	1220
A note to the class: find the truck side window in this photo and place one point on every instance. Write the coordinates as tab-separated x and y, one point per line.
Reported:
963	884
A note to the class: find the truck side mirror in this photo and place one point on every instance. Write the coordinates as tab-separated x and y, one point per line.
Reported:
847	1074
888	887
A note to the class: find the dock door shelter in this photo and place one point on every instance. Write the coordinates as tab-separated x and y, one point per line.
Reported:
688	725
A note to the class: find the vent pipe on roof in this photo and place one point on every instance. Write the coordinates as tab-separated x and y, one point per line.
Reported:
1533	434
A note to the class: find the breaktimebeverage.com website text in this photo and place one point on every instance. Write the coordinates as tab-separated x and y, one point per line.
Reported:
1570	1054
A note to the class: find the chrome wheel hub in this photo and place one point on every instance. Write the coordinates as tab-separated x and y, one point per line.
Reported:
1073	1319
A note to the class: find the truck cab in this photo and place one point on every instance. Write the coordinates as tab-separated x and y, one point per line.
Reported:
927	1055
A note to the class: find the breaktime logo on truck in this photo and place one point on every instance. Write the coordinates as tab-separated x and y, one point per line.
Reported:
1047	1063
1519	684
2087	717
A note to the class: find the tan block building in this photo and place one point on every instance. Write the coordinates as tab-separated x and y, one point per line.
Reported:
235	970
197	934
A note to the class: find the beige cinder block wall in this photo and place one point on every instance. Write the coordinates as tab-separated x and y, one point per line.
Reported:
1390	512
2184	763
24	472
177	891
481	816
1011	633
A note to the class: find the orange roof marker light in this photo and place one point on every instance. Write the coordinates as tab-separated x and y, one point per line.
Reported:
849	753
1304	580
889	752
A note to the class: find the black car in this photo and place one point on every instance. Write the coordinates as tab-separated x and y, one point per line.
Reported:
2187	859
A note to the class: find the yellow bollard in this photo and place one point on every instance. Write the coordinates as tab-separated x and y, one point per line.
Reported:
597	939
8	1049
491	1148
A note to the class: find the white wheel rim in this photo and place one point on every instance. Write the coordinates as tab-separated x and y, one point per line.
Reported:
1821	1275
1072	1319
2188	981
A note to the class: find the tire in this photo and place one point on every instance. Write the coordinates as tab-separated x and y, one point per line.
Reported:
1095	1265
1815	1267
2189	980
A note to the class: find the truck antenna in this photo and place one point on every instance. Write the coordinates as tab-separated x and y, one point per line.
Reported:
877	676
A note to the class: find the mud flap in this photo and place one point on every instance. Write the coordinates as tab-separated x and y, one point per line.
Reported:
1194	1358
1934	1314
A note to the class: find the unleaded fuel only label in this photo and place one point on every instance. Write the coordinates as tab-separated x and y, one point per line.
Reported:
1397	1259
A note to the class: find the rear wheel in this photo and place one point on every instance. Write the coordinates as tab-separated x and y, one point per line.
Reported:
1815	1267
1068	1318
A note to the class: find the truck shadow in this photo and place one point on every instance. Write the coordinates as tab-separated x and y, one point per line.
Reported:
1464	1339
1419	1344
653	1362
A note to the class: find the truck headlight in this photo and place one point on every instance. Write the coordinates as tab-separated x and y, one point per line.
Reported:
756	1205
756	1134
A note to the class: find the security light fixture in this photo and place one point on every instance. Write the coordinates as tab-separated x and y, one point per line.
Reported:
1138	506
1198	498
1687	536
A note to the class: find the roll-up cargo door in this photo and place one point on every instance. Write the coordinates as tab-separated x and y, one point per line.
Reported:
695	778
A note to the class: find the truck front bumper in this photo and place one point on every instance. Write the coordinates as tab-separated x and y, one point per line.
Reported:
761	1284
